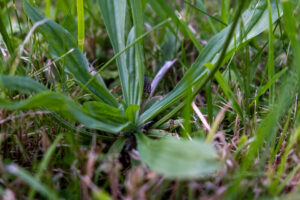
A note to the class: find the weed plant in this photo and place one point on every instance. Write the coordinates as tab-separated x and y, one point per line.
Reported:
137	99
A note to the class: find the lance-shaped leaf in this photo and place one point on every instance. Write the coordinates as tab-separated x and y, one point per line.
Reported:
64	106
131	66
108	118
113	13
255	21
182	159
137	16
103	111
61	42
20	83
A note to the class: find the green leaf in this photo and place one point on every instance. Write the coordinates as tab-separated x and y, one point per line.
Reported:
61	41
20	83
66	107
113	13
181	159
137	15
103	111
270	63
132	72
131	113
255	20
80	16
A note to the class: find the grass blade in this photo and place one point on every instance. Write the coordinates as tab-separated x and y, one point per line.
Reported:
25	176
45	162
271	55
80	18
48	6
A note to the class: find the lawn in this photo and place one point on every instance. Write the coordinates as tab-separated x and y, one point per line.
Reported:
149	99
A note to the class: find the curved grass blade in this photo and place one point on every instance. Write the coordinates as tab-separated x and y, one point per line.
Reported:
61	41
181	159
45	162
32	182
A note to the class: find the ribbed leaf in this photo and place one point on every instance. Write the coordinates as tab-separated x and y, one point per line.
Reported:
182	159
113	13
61	41
107	118
64	106
22	84
103	111
131	66
131	113
255	20
137	15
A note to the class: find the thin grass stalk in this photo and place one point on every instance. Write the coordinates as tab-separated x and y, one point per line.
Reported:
271	69
225	11
187	111
209	101
80	18
203	10
48	5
